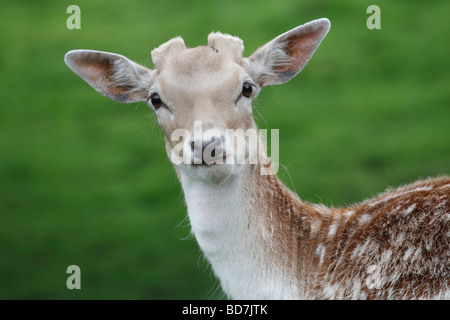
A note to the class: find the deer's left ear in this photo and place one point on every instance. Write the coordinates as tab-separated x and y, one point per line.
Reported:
284	57
113	75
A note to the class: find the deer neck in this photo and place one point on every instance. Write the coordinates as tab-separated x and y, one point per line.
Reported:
242	225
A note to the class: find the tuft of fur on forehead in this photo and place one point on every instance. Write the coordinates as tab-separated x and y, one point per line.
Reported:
226	44
166	50
220	46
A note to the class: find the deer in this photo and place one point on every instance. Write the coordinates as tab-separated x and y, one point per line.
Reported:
261	240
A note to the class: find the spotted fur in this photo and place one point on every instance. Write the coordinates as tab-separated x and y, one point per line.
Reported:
395	246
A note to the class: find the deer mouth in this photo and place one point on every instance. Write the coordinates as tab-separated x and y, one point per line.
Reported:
213	161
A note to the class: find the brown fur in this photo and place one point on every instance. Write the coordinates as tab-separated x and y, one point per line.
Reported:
404	234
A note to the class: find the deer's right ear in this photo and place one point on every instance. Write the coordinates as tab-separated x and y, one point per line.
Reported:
113	75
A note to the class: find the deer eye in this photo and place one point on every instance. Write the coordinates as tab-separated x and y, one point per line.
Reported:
156	100
247	90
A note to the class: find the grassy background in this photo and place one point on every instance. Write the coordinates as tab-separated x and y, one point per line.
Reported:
85	180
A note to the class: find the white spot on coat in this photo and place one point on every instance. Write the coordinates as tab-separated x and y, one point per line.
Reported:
410	208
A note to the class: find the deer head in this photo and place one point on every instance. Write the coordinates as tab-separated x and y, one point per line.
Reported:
202	94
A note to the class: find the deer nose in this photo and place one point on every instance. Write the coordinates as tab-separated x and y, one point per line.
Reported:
209	150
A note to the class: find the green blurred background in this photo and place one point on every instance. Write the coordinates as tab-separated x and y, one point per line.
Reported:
85	180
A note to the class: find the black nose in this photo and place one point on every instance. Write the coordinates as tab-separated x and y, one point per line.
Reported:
198	148
205	144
